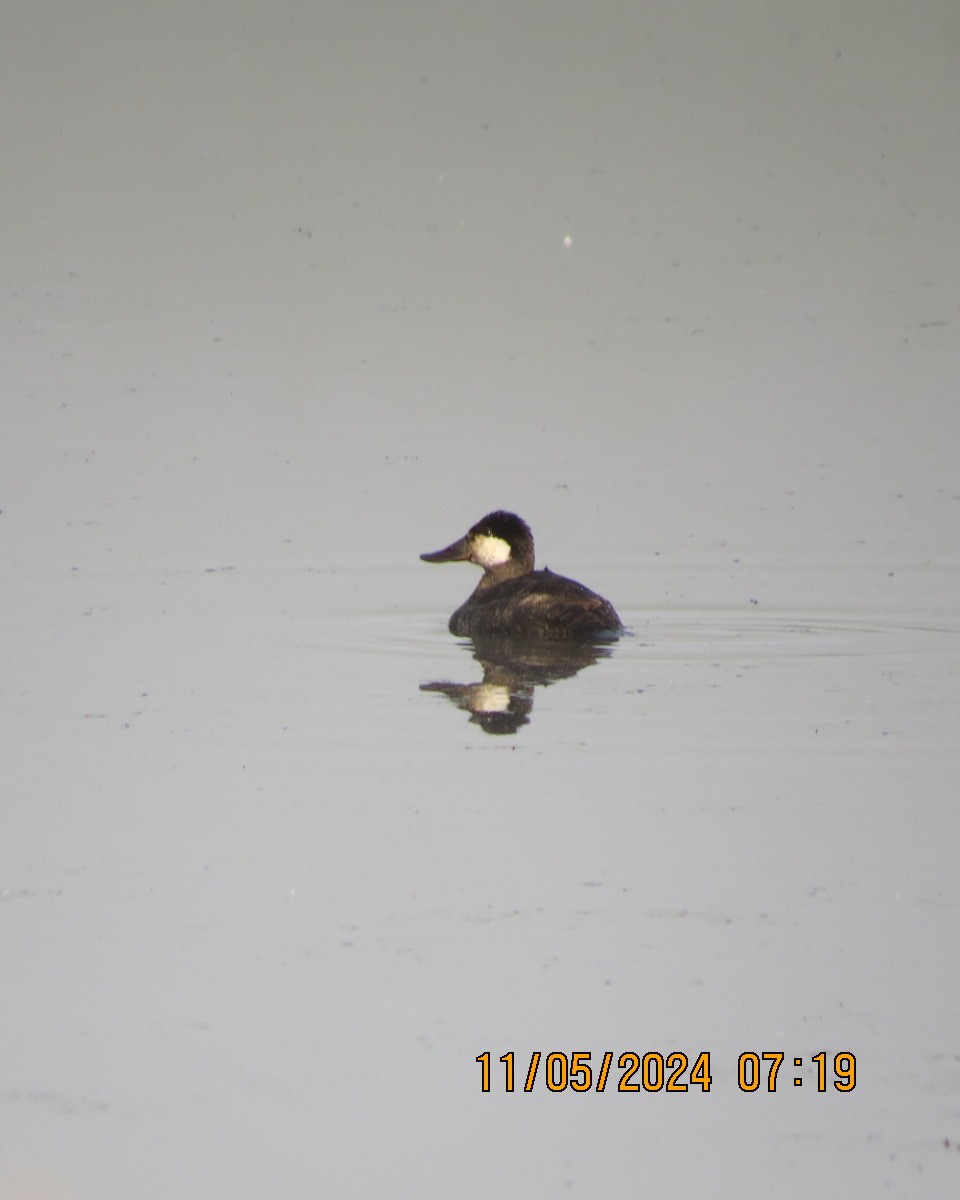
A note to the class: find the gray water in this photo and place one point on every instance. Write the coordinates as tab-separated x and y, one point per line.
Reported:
293	293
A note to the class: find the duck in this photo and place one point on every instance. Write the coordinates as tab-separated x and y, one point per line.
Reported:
514	600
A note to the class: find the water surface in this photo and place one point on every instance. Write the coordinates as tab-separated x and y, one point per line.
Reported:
294	294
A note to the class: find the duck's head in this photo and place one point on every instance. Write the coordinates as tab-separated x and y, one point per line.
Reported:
500	542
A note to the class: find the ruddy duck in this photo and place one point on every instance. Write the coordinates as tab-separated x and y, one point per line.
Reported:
514	600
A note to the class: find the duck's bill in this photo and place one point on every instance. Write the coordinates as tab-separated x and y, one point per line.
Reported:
456	552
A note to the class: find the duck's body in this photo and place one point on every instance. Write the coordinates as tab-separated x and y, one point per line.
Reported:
539	604
514	600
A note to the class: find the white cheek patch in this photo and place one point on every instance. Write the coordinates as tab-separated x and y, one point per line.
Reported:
489	551
490	698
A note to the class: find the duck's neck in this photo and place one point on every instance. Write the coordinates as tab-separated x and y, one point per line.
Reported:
513	568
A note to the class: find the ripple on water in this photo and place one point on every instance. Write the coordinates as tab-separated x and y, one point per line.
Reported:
787	634
668	633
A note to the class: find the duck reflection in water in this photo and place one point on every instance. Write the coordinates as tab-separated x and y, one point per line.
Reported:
502	701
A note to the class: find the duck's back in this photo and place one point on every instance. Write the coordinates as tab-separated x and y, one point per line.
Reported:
538	604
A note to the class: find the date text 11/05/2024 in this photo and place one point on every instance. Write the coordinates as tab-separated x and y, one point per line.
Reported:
656	1072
